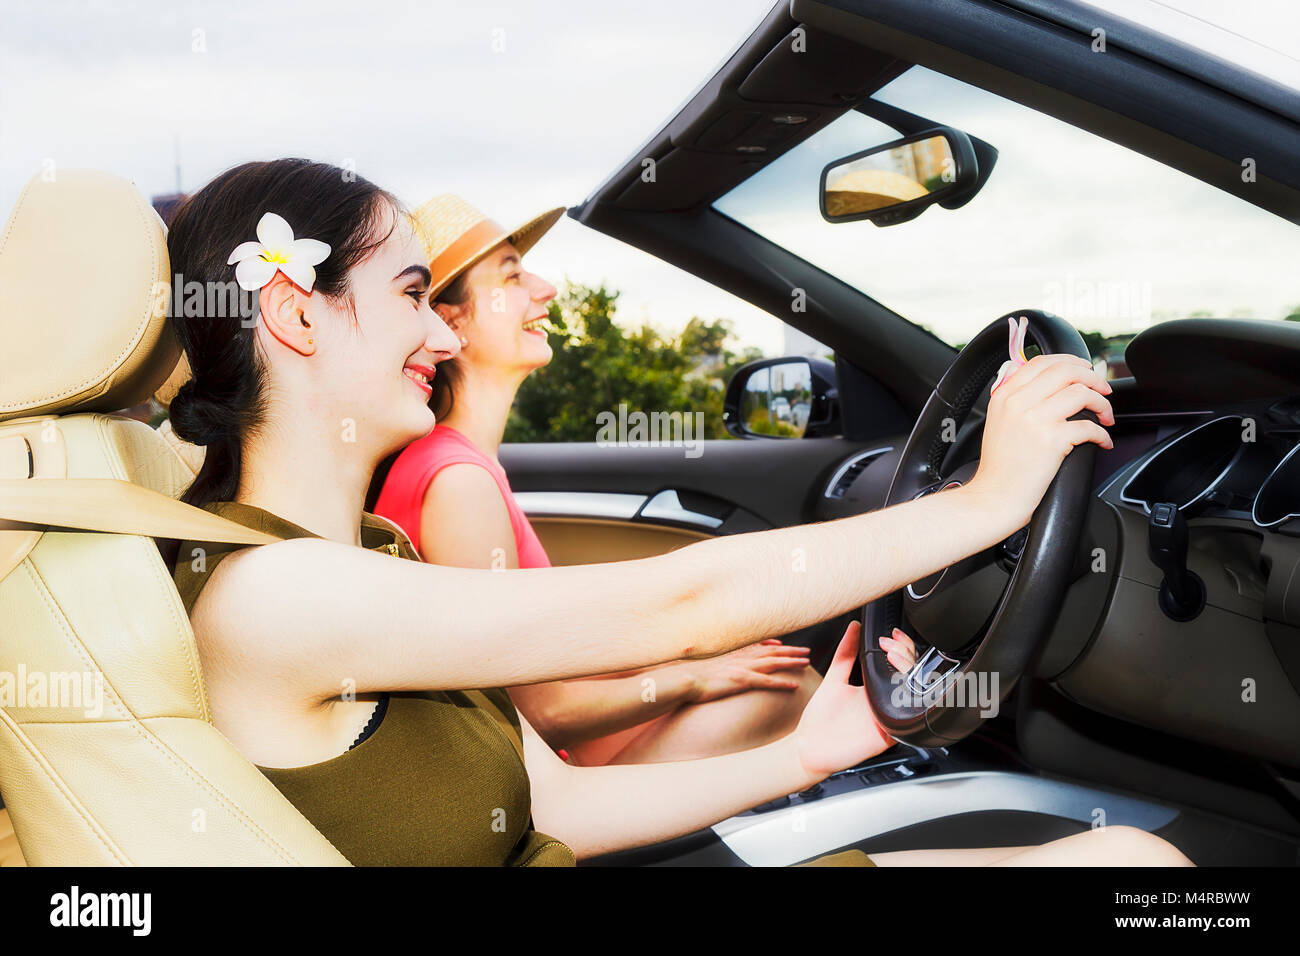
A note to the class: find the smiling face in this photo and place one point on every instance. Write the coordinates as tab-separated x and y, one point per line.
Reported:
374	360
503	321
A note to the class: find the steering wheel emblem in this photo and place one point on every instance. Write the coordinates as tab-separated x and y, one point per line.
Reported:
930	671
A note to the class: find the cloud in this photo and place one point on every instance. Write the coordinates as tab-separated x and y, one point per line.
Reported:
523	106
519	106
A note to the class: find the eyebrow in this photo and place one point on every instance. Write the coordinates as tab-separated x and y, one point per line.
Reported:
421	271
509	260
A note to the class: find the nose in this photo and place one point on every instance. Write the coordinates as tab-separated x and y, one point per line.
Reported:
540	290
440	340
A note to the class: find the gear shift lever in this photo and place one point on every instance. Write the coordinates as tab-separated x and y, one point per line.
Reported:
1182	593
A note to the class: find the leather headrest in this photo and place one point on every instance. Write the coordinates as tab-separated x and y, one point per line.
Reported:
178	377
83	298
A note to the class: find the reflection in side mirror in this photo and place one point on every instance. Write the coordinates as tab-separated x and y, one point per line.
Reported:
782	398
776	400
896	182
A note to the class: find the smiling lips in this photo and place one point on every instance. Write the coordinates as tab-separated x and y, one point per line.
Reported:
536	325
420	375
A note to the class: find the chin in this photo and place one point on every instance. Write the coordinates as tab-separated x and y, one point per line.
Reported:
539	356
414	425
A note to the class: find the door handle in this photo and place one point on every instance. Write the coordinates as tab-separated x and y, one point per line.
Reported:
667	506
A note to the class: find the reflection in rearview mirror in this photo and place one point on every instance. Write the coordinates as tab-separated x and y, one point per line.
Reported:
889	177
895	182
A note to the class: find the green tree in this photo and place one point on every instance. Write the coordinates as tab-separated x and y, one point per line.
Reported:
598	365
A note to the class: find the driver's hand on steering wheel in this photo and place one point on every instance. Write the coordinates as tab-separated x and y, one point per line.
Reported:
899	651
1028	431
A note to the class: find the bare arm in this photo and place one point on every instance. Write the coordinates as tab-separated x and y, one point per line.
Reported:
464	523
319	613
312	614
572	712
597	810
592	707
601	809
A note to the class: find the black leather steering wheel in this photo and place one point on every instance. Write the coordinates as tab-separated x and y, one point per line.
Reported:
973	661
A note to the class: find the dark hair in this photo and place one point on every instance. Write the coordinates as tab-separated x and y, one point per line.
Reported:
223	402
457	293
444	382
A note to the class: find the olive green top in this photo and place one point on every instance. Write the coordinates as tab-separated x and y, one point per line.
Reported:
440	782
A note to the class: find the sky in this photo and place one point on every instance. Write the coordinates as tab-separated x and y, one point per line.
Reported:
525	105
517	106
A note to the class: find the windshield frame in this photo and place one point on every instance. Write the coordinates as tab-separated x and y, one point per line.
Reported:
1111	300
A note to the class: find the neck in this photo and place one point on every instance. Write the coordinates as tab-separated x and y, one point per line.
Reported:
282	473
482	405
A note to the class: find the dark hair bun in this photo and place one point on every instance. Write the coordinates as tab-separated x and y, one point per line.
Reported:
196	418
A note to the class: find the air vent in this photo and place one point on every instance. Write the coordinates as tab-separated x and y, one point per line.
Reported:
848	472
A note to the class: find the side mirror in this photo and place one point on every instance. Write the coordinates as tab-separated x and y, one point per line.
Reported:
898	181
791	397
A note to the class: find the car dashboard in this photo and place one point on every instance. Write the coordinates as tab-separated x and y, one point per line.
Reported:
1210	425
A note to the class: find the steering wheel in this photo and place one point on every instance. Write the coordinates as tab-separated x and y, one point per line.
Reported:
974	660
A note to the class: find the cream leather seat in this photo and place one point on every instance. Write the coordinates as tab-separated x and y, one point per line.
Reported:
144	778
191	455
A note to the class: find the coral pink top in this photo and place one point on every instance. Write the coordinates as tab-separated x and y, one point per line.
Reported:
403	493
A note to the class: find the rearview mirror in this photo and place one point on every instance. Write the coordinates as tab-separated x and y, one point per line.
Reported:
898	181
782	398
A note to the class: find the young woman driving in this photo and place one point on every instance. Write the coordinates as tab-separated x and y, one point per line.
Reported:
351	676
449	493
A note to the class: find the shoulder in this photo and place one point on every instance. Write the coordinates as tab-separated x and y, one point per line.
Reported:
419	463
466	494
236	584
263	607
195	562
465	518
466	484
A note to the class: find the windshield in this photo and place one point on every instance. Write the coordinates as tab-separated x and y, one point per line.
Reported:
1069	222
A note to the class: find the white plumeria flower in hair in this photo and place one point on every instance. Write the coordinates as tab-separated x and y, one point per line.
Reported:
276	250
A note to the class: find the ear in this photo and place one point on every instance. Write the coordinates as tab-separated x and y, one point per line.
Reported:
453	315
284	310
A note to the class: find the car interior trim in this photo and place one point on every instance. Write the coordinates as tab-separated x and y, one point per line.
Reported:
842	470
667	506
1169	445
580	504
798	832
1254	507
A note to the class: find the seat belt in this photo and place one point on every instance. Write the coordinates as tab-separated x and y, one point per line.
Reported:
117	507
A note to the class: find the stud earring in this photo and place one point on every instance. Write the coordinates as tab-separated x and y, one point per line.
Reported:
464	341
311	341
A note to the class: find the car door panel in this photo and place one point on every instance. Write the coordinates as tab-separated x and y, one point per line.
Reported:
771	479
573	540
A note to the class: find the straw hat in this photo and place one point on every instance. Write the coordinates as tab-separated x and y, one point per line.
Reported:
456	235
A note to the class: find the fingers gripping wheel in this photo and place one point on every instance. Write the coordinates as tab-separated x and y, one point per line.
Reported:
943	698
